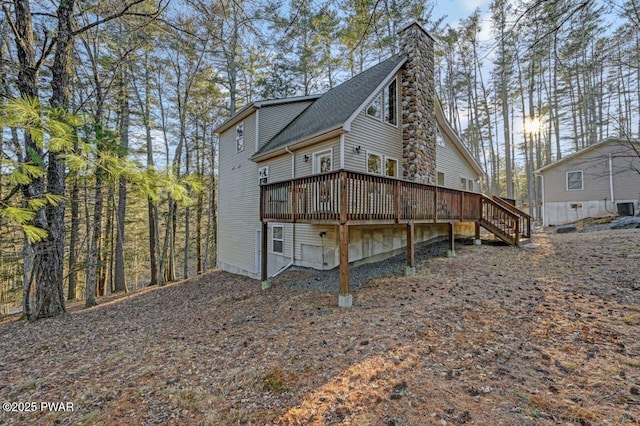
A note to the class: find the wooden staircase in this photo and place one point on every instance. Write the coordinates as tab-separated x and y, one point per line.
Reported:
504	220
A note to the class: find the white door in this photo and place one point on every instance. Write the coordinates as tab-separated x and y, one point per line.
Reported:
322	164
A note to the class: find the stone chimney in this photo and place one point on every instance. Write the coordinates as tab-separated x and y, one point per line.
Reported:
418	105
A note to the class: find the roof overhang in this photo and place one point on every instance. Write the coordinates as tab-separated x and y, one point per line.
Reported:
302	143
590	148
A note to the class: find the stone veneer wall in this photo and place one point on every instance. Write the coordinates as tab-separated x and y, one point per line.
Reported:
418	109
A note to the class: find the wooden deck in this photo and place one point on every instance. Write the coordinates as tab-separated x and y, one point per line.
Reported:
347	198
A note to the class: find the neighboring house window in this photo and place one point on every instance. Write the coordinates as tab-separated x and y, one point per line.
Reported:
574	181
440	179
374	163
385	105
240	137
278	239
463	183
439	138
391	167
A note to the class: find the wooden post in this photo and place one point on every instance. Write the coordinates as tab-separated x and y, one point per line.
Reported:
344	298
410	269
398	199
294	202
477	240
435	204
452	241
263	257
343	199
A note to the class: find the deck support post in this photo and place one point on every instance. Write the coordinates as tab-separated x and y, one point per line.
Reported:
263	256
452	240
477	241
410	269
345	300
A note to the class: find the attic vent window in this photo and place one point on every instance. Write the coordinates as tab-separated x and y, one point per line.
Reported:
240	137
384	106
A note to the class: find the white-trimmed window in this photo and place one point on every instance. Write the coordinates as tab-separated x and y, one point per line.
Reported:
463	183
375	107
391	167
381	165
374	163
440	179
574	181
277	240
240	137
470	184
384	106
391	104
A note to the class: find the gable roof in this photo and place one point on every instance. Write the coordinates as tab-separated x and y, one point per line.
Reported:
583	151
251	107
336	107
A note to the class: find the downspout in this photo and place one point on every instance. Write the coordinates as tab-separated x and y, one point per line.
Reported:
544	215
613	197
341	151
293	225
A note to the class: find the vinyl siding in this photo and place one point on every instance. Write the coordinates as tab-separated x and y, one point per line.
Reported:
595	175
274	118
373	135
450	161
238	210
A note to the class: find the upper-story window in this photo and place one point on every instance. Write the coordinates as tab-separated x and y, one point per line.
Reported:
439	137
240	137
385	105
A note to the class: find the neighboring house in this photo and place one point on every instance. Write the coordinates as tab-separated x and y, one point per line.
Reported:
600	180
320	181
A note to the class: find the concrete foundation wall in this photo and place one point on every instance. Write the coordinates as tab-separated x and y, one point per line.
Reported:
558	213
369	244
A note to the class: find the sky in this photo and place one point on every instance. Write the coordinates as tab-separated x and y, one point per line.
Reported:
459	9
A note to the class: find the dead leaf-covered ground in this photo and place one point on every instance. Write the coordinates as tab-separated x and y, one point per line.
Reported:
545	334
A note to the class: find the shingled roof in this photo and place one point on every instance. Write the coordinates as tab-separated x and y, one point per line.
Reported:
334	107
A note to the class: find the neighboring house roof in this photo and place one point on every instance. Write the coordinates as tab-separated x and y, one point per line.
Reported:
586	150
335	108
251	107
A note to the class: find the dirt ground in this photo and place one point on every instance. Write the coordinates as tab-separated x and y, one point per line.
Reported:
544	334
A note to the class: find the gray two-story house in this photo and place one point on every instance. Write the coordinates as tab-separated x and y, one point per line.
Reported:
356	174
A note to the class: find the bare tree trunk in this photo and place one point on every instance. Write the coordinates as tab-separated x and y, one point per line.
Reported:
119	272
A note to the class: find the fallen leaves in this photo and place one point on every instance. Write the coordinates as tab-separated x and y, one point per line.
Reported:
547	334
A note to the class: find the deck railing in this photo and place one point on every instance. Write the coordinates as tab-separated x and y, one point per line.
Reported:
344	196
524	220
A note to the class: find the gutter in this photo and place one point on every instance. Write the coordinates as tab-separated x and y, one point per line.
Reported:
613	197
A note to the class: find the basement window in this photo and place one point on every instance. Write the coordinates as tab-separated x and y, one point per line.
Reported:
278	240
